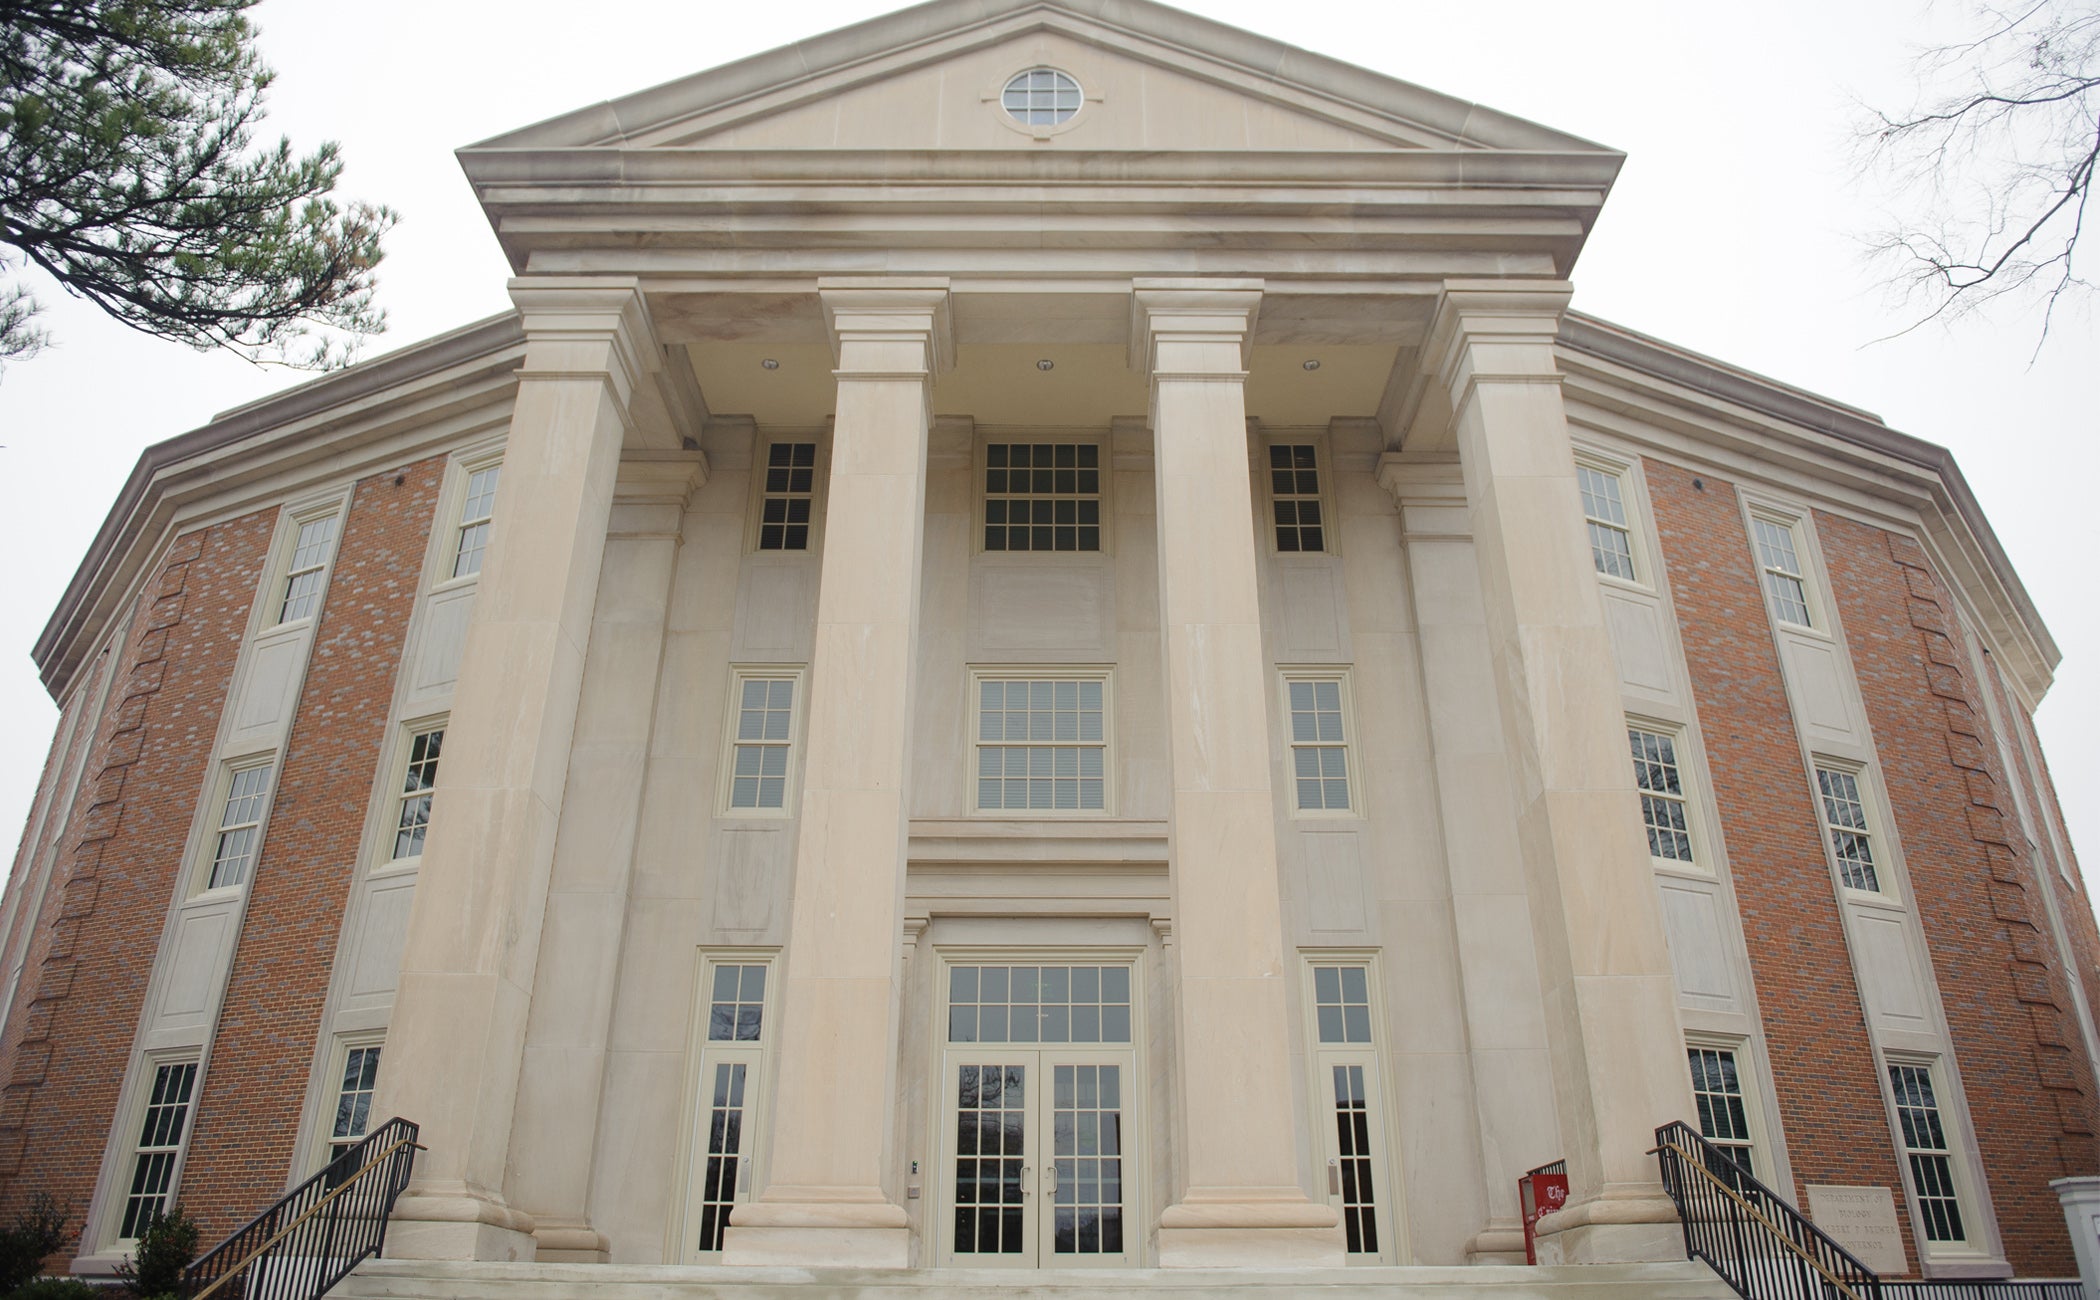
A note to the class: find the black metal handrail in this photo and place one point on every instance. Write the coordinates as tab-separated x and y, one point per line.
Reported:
1767	1250
320	1230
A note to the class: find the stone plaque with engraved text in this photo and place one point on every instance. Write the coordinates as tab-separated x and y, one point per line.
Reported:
1863	1221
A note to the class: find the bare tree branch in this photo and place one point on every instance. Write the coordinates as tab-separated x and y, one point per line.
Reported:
1992	168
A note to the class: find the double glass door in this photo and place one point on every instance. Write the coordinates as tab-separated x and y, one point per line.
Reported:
1037	1092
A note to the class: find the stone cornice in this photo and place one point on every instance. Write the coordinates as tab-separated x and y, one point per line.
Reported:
424	380
1596	353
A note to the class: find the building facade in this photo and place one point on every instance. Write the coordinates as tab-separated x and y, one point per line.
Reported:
1043	643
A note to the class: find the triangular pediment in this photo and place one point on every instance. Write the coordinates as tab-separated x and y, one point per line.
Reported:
928	78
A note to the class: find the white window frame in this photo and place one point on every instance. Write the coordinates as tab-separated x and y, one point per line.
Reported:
1630	506
1879	842
1795	525
1266	497
987	438
1764	1157
463	524
325	1145
761	449
732	708
1975	1241
973	714
150	1066
397	795
283	572
215	824
1350	744
705	1055
1692	794
450	522
1320	1058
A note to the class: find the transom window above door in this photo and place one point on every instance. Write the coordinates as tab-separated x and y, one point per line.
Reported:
1039	1004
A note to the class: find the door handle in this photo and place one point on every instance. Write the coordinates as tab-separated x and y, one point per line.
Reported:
1334	1177
1050	1176
1024	1182
743	1173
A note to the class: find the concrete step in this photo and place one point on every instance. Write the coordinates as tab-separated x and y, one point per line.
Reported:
395	1279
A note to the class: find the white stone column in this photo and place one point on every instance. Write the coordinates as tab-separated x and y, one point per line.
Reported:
1604	969
1510	1067
554	1134
833	1108
1241	1204
2080	1198
457	1038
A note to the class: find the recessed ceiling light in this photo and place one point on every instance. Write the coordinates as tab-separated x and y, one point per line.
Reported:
770	364
1046	364
1313	364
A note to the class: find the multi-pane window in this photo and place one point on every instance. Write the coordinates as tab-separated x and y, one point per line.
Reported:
791	485
302	581
1319	748
1661	784
1040	97
729	1094
1845	819
737	1005
1042	496
353	1098
240	826
1353	1160
1925	1146
160	1145
1604	510
1345	1080
474	516
1294	485
764	732
1342	1003
412	822
1780	562
1039	1004
1042	745
1724	1115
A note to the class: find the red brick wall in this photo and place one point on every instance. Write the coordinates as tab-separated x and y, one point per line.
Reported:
241	1150
69	1036
2074	905
43	834
2001	984
1830	1100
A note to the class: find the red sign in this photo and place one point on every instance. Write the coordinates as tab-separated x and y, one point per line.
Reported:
1541	1193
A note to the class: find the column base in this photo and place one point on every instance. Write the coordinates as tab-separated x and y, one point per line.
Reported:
1500	1242
457	1221
1281	1231
570	1242
818	1227
1639	1227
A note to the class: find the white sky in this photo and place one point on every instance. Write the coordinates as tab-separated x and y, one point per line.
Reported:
1732	231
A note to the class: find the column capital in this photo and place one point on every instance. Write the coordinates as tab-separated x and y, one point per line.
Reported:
652	490
588	327
877	309
1198	311
1494	329
1430	489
